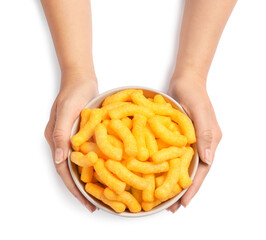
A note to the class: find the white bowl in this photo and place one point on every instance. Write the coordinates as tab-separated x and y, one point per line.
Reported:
95	103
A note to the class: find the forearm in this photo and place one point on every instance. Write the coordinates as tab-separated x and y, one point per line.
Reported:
202	26
71	29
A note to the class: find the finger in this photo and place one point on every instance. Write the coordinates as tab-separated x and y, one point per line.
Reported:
62	169
205	124
49	135
216	139
201	173
64	173
175	206
49	129
61	135
62	129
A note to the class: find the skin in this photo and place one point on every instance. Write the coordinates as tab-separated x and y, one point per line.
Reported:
202	26
70	26
71	29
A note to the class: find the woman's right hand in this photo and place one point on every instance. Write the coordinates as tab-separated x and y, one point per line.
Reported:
75	92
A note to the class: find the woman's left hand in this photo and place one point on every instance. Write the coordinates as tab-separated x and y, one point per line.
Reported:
194	99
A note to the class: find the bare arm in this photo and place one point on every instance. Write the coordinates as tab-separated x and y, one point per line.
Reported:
71	28
202	26
70	24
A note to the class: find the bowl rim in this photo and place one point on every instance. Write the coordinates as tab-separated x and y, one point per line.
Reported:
157	209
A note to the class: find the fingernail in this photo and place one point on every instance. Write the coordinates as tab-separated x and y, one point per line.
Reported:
59	155
207	157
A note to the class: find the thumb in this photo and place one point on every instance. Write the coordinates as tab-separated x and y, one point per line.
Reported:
61	135
203	120
205	139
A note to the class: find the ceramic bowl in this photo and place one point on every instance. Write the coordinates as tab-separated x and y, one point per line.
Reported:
95	103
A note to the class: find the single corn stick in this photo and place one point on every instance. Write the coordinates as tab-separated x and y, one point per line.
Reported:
130	144
125	175
87	147
113	105
82	160
125	197
167	154
105	146
110	106
97	192
165	134
122	96
186	125
108	178
87	131
77	158
184	179
147	167
150	141
139	126
129	110
171	179
148	192
147	206
84	117
160	109
86	174
159	99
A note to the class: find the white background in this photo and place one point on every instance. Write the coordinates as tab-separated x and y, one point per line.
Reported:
134	43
